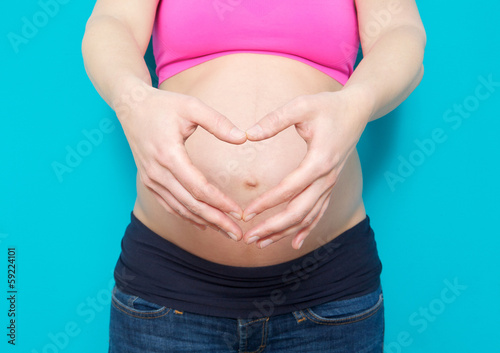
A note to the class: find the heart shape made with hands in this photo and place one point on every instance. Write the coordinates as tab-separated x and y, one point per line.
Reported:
239	166
331	125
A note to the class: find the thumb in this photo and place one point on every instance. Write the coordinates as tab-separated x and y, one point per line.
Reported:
217	124
276	121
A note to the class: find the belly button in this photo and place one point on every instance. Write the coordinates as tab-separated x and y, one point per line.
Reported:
250	182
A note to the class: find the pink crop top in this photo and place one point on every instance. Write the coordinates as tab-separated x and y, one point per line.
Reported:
321	33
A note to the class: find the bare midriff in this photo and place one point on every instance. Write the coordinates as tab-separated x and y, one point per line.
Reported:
244	87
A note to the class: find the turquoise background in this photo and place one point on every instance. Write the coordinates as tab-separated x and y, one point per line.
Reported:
438	226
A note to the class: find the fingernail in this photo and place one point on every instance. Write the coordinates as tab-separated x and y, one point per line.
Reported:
249	217
265	243
233	236
237	133
252	240
255	131
235	215
300	244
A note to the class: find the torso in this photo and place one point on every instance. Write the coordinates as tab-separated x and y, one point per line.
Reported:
244	87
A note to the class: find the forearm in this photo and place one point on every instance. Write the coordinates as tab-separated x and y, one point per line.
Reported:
113	59
389	72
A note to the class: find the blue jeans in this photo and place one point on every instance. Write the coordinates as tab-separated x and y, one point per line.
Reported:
345	326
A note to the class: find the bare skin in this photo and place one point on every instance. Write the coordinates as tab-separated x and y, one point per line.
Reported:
248	87
250	159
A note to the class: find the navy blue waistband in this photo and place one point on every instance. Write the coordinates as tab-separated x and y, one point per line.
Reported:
157	270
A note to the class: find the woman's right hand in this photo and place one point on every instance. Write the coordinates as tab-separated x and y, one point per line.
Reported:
157	124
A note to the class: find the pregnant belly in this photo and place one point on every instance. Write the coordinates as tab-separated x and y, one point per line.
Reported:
245	87
248	170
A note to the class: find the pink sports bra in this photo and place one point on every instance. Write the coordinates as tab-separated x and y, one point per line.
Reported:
321	33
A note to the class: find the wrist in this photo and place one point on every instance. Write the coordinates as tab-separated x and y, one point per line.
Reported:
361	98
130	90
129	93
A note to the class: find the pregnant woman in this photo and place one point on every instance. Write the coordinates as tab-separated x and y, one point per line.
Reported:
249	232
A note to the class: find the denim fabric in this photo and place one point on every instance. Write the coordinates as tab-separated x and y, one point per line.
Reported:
353	325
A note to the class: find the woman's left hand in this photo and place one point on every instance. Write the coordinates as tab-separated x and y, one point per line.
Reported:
331	123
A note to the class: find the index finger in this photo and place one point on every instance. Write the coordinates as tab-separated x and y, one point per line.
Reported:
216	123
278	120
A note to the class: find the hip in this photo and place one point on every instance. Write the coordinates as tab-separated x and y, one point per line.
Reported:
341	326
157	270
